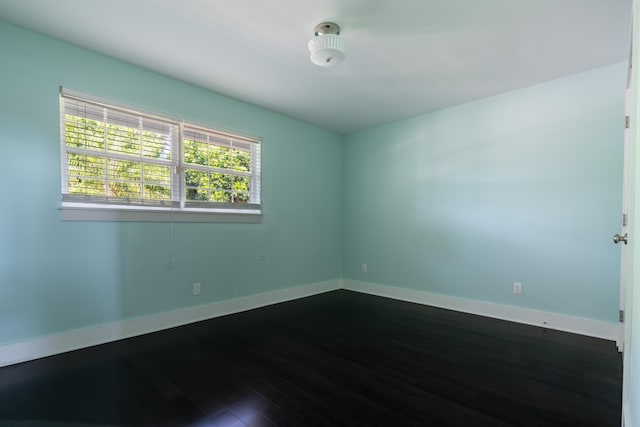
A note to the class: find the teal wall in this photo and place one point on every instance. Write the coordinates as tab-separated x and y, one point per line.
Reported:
525	186
56	276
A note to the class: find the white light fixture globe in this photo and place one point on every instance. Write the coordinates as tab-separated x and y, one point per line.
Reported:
327	47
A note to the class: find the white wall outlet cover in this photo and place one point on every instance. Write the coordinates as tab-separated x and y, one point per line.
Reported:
517	288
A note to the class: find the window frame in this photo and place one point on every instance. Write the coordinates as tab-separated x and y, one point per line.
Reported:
177	208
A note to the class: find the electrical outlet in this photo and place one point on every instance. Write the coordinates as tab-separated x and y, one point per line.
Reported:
196	288
517	288
364	268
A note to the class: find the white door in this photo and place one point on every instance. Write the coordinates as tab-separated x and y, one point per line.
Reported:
629	272
622	236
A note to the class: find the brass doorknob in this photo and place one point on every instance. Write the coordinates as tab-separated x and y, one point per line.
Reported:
618	238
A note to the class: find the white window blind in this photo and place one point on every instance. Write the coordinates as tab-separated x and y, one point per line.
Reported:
117	158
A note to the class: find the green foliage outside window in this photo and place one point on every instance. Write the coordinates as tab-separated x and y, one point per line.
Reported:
129	176
142	165
222	186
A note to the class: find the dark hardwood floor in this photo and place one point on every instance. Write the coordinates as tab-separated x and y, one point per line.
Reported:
336	359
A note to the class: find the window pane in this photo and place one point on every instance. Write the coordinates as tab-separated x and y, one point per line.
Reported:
155	145
241	161
195	178
131	190
123	140
196	194
196	184
220	157
85	186
241	184
125	170
157	192
83	133
220	181
157	174
241	197
220	196
86	166
195	152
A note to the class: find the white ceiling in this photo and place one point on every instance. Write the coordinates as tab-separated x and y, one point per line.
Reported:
404	57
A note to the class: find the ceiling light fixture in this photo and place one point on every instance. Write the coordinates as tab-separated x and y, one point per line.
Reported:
327	47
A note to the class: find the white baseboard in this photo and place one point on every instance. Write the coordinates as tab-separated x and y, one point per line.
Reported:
561	322
86	337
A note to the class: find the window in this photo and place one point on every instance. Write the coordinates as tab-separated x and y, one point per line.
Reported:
118	164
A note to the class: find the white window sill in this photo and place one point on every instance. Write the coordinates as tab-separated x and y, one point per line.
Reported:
84	212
